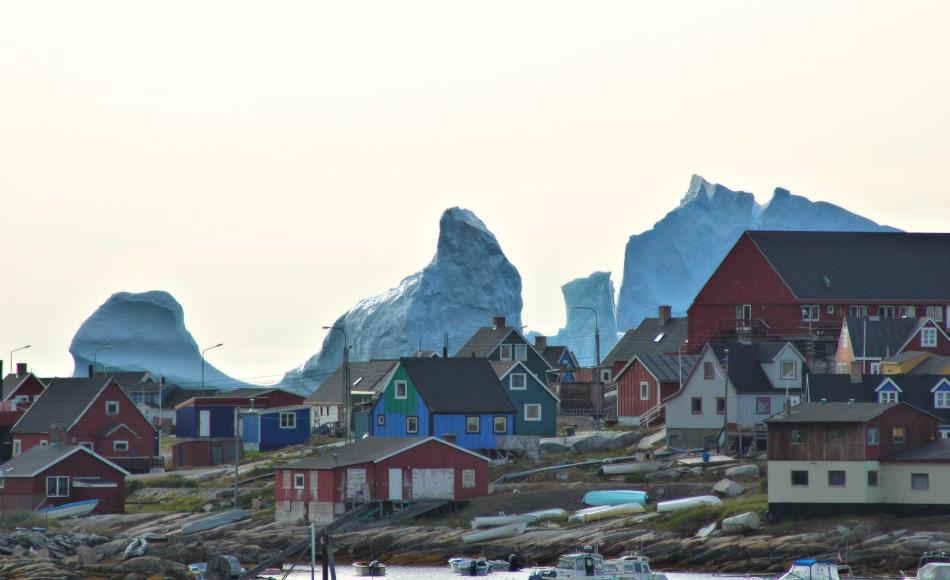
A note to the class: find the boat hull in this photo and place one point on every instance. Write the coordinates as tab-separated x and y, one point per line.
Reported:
364	569
508	531
687	502
69	510
614	497
604	512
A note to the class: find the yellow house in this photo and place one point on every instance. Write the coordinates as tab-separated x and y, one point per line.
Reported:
903	363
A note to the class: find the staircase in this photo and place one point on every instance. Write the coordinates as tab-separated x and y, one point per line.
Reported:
651	416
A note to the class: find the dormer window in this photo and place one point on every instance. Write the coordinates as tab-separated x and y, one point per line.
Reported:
887	397
942	400
505	352
928	337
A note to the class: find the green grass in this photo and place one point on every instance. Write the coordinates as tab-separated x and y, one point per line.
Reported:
25	520
691	518
183	504
169	481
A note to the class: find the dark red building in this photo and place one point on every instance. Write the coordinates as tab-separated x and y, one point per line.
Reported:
47	476
800	286
644	382
203	452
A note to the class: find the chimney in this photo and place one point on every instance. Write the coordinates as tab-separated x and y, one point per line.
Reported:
498	322
92	373
20	370
665	314
540	343
57	434
855	372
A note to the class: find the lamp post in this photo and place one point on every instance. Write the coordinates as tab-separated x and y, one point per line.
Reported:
347	410
12	366
725	406
203	362
95	359
596	352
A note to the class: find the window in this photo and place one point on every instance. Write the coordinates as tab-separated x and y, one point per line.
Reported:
112	408
500	425
935	312
872	479
1	483
605	375
842	368
788	370
907	311
920	481
288	420
800	478
811	313
942	399
834	435
299	481
708	372
798	436
945	433
831	309
887	397
87	445
521	352
57	486
897	435
644	391
874	437
120	445
285	479
836	479
472	425
885	311
696	405
858	311
44	443
381	420
412	424
928	337
402	390
532	412
794	400
763	406
720	406
875	368
468	478
744	314
505	352
519	382
17	446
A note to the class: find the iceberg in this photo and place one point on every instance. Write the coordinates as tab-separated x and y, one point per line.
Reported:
597	292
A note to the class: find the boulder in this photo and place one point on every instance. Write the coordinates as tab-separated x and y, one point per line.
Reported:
151	566
627	438
554	447
741	523
588	443
664	475
86	555
728	488
743	471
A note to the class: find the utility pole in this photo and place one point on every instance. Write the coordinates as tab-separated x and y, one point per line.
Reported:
238	443
347	384
203	362
725	406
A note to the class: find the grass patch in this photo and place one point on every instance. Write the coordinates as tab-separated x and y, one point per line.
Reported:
691	518
169	481
259	515
25	520
186	504
259	470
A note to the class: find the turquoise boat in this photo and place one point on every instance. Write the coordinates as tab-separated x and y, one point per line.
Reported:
615	497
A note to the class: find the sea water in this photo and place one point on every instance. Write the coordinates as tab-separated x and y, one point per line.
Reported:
345	572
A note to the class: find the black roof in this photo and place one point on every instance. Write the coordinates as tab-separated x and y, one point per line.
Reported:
484	341
63	401
745	365
885	336
363	451
831	413
364	376
938	451
646	339
915	390
177	395
130	380
861	266
458	385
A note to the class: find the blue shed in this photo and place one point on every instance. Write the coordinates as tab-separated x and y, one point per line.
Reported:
535	405
269	429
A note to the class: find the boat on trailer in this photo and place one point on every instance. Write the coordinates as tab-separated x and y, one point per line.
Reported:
69	510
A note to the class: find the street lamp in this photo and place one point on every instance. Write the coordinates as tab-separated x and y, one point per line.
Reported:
346	382
95	359
12	366
203	362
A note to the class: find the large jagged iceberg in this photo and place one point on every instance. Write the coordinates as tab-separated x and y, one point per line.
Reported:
595	291
467	283
147	333
669	263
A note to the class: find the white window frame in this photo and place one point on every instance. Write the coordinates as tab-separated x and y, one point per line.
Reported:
412	431
858	311
118	443
874	437
292	424
521	352
942	400
781	370
44	442
405	390
494	425
884	397
811	313
885	311
468	478
644	391
381	420
111	414
59	491
527	416
928	337
300	481
935	312
477	424
17	447
605	375
945	433
524	381
907	311
285	479
504	352
875	368
926	476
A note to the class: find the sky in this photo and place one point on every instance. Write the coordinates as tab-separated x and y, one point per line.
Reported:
271	163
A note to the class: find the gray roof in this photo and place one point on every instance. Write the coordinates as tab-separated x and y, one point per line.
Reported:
458	385
12	381
885	336
130	380
864	266
363	451
175	395
745	365
364	376
642	340
250	392
832	413
34	459
667	367
484	341
915	390
938	451
63	401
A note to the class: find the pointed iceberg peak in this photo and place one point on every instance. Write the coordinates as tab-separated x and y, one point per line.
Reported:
699	189
460	216
781	193
462	233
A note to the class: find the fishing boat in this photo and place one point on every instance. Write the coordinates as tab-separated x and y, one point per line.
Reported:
631	467
931	566
687	502
812	570
504	520
583	564
614	497
508	531
69	510
631	567
373	568
471	567
607	511
215	521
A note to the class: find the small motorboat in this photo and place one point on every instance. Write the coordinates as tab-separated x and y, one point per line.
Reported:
373	568
606	511
583	564
931	566
631	567
812	570
69	510
508	531
687	502
614	497
474	567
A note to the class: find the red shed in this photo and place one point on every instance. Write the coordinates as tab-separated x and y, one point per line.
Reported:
387	470
645	382
53	475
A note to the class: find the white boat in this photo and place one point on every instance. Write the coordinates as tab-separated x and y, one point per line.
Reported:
687	502
584	564
373	568
607	511
511	530
632	567
471	567
614	497
812	570
631	467
69	510
932	566
504	520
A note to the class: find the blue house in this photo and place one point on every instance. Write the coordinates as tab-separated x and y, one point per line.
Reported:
457	398
500	342
269	429
560	358
535	405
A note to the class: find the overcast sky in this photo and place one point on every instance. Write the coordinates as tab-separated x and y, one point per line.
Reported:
270	163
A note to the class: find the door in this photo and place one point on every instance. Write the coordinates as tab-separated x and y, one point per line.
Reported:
204	423
433	484
217	457
356	484
395	485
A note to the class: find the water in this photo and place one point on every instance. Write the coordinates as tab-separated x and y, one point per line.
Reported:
345	572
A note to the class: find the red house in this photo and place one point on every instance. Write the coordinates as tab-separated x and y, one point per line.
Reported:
869	340
94	413
389	470
47	476
802	285
22	387
664	334
644	382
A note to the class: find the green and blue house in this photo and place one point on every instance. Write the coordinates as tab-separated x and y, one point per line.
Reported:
502	343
